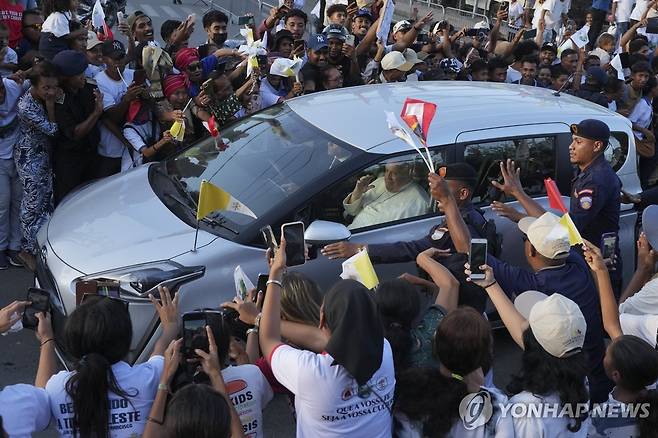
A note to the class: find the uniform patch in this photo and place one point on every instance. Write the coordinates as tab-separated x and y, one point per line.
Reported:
438	233
585	202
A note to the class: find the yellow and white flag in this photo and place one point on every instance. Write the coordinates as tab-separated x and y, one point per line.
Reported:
177	130
252	49
212	198
286	67
574	235
359	268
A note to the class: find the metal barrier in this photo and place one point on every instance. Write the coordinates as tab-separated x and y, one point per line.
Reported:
433	4
461	18
262	4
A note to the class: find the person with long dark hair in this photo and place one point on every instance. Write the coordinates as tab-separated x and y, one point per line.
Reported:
348	389
427	400
105	396
551	332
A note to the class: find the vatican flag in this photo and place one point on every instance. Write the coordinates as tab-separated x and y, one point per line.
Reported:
212	198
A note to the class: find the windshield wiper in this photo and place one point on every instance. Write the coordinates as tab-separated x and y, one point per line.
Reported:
221	223
179	187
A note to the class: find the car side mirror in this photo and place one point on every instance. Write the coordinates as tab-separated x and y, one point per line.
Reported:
325	232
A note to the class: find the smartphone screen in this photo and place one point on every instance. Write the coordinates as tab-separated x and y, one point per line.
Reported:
261	285
293	233
471	32
300	43
477	258
245	19
194	333
270	241
139	77
609	248
40	300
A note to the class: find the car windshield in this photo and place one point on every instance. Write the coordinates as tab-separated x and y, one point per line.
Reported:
260	161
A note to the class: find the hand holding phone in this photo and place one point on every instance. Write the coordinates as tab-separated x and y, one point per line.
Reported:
609	250
477	257
194	334
39	302
293	233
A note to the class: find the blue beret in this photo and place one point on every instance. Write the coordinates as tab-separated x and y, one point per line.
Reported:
70	62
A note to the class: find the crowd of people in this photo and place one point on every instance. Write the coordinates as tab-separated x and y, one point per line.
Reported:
402	359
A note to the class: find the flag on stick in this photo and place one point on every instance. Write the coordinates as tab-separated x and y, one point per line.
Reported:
212	198
359	268
401	130
555	201
177	130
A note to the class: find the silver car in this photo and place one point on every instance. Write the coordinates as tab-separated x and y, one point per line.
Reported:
298	161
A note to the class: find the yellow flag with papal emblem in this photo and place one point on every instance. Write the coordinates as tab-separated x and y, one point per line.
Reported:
213	198
177	130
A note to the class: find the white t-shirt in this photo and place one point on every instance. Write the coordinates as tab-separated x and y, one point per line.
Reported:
127	416
109	145
644	327
513	75
250	392
326	397
638	10
624	8
555	9
644	301
618	426
57	23
268	95
550	426
10	58
515	14
641	115
8	114
24	410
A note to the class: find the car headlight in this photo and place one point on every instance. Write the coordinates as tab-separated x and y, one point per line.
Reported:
139	280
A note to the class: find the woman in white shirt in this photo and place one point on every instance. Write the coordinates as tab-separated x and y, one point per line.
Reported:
105	396
347	390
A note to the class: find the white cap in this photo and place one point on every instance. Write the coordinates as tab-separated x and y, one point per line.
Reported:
402	24
549	237
556	322
395	61
412	57
92	40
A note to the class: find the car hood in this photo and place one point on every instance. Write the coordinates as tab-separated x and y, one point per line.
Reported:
116	222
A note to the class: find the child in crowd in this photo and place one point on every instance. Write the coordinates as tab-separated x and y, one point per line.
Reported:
55	31
8	57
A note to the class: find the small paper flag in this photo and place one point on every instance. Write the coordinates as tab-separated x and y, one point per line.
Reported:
554	196
401	130
360	268
574	235
424	114
177	130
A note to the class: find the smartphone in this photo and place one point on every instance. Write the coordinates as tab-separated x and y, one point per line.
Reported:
652	25
301	43
121	18
609	249
270	240
503	6
350	40
477	257
293	233
530	34
246	19
283	10
40	300
139	76
208	88
194	334
261	285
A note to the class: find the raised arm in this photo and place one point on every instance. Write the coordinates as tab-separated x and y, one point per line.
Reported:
448	295
459	233
646	264
305	336
609	309
408	39
515	322
512	186
269	334
168	312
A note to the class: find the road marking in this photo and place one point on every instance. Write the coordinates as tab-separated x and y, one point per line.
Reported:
169	12
149	10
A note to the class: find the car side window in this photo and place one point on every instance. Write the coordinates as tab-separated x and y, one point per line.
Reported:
536	156
390	190
617	150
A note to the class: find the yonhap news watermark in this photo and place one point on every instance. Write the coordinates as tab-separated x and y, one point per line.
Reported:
477	409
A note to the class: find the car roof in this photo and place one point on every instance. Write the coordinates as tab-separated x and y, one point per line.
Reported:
356	116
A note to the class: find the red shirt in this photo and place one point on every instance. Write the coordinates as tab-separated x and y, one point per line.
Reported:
11	14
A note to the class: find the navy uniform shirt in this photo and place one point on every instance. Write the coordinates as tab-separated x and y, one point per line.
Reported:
439	237
595	200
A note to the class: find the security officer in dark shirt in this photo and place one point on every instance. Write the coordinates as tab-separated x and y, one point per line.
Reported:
75	159
461	179
595	190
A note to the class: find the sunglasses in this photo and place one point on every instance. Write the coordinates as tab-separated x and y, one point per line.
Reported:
36	26
194	66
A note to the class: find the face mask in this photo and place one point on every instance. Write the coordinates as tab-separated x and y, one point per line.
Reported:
219	38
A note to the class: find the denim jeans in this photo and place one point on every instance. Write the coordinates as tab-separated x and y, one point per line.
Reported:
11	193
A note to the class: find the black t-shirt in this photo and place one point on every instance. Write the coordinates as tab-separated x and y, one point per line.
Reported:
343	65
74	110
312	72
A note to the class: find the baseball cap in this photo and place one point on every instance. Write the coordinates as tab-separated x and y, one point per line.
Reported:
449	65
549	237
411	56
281	35
556	322
549	46
597	74
592	129
650	225
317	42
92	40
402	25
364	12
458	172
335	31
395	61
113	48
70	62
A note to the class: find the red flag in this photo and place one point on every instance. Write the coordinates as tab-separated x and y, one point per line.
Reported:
212	126
554	196
423	112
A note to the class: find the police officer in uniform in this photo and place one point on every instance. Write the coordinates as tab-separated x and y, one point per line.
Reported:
461	179
595	190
